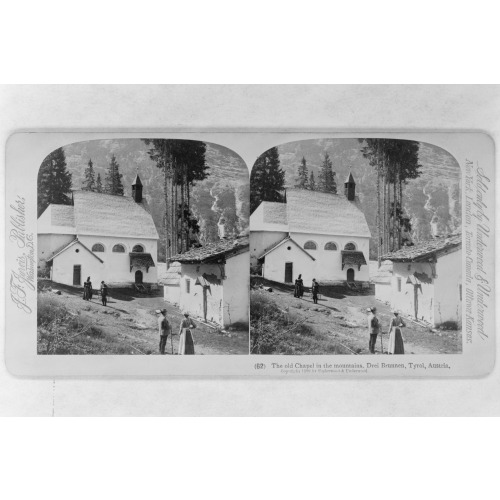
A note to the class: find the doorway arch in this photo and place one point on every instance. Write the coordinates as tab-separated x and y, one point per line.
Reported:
138	277
350	275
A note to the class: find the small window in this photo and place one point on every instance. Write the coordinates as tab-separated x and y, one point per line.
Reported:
138	248
330	246
399	284
350	246
188	285
460	291
119	248
310	245
98	247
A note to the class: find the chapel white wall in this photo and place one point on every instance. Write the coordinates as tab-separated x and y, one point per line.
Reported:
260	241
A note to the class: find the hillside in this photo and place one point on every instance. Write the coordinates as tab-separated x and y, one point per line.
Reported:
227	174
432	200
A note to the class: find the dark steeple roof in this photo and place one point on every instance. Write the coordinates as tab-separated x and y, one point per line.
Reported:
350	179
137	181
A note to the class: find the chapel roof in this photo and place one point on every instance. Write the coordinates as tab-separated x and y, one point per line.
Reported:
324	213
274	213
62	215
112	215
426	249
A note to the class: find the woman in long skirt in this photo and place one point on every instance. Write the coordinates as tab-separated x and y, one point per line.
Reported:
186	340
396	344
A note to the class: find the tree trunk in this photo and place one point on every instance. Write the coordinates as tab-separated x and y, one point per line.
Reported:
379	240
167	212
182	229
188	209
401	209
394	212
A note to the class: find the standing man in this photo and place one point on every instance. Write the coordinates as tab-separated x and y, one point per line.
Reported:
373	328
315	290
104	293
163	329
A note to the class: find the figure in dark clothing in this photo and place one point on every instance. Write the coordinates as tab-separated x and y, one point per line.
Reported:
104	293
163	329
299	287
315	290
87	290
373	328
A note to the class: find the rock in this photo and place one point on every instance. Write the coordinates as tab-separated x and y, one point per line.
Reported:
57	292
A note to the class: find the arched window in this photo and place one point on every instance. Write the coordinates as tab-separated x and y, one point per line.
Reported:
119	248
138	248
98	247
350	246
310	245
330	246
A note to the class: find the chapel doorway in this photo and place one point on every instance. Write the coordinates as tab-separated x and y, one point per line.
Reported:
350	275
138	277
288	272
77	275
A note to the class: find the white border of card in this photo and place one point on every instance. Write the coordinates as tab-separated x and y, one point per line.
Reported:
473	151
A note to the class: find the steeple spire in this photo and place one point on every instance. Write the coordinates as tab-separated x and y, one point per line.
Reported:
350	188
137	188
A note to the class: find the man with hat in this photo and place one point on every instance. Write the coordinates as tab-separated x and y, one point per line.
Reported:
373	328
163	329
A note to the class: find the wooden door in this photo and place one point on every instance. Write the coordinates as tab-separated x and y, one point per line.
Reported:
288	272
138	277
77	275
350	275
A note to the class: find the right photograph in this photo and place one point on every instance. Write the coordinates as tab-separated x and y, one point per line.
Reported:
356	249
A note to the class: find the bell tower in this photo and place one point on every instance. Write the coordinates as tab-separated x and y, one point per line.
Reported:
350	188
137	189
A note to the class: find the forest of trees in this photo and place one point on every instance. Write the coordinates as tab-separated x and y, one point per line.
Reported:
113	180
327	182
183	163
54	181
396	161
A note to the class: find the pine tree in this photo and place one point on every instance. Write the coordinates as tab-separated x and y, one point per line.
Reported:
267	180
54	181
327	181
312	182
89	182
98	184
302	179
113	178
183	163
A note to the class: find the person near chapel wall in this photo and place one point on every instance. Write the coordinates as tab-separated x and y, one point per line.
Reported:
104	293
315	290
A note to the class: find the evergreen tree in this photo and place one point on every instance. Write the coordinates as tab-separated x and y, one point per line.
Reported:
98	184
267	180
89	182
113	178
183	163
54	181
302	179
327	181
312	182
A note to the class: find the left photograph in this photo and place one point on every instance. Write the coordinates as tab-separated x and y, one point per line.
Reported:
143	248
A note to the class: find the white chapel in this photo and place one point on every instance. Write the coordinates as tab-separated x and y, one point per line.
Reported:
108	237
318	235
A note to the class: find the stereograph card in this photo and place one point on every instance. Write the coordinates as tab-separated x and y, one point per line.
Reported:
244	253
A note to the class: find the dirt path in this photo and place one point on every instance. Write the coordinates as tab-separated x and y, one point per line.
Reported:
344	318
129	323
